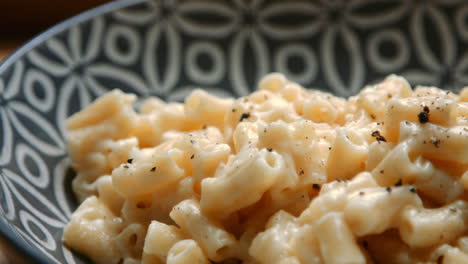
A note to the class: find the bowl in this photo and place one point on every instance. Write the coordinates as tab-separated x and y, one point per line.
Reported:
168	48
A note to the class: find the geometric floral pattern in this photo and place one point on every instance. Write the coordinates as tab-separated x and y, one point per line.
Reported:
167	48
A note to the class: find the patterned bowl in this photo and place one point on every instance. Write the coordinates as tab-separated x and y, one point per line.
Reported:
166	48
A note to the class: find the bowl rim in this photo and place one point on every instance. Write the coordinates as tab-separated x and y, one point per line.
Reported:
6	231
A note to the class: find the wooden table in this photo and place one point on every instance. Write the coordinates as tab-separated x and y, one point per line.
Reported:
7	47
10	255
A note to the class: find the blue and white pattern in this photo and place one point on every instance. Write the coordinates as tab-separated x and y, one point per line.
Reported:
167	48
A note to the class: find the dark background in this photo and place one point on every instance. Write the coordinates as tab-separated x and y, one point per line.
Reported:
20	20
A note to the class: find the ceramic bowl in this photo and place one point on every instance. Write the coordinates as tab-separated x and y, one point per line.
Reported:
168	48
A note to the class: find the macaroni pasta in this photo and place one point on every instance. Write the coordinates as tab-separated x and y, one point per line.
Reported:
284	175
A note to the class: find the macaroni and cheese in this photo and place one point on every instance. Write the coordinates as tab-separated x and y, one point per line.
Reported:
285	175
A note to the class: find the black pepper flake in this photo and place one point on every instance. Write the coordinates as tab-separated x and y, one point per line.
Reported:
130	161
192	141
381	139
338	179
388	189
372	116
193	156
362	193
365	245
269	149
126	166
140	205
453	210
436	143
424	115
378	136
381	171
399	183
413	190
204	127
316	186
329	148
153	169
244	116
264	130
301	172
233	110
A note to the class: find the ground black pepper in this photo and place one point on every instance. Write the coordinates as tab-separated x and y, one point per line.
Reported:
244	116
378	136
365	245
399	183
424	115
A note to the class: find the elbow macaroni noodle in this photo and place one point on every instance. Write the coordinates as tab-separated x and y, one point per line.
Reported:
285	175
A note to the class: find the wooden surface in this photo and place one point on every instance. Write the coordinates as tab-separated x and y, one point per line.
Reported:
28	17
6	47
10	255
